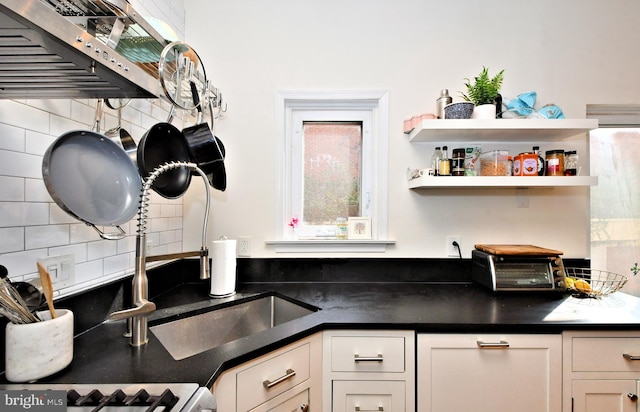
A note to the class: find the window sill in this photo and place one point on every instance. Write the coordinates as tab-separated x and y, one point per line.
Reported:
312	245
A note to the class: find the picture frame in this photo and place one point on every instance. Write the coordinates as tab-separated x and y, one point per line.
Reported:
359	228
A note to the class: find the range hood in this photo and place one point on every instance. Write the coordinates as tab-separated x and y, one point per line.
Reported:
77	49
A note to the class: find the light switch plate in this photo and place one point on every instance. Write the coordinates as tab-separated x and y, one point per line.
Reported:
61	268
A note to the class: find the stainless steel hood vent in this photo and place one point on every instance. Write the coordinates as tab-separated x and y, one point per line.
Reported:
77	49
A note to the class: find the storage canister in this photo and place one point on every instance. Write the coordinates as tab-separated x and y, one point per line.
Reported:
555	162
457	162
494	163
571	163
529	164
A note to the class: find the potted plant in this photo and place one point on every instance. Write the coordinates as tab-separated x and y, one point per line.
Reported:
483	93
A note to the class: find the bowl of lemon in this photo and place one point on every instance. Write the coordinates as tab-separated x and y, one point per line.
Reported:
592	283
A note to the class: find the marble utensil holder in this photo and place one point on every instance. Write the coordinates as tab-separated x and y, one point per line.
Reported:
36	350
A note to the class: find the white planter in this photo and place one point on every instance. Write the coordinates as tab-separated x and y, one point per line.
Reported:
484	111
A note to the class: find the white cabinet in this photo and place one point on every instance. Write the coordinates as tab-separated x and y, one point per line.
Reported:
505	131
601	371
286	379
369	371
488	373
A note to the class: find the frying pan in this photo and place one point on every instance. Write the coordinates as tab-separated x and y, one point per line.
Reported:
161	144
92	179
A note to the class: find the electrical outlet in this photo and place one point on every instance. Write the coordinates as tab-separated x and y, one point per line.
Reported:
453	251
244	246
61	269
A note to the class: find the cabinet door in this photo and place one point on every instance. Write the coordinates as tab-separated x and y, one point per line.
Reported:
604	395
489	373
369	396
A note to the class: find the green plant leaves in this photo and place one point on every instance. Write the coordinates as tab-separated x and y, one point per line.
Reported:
484	90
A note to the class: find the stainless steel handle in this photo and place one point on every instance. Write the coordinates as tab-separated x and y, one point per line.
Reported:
380	408
358	358
290	373
493	345
630	357
632	396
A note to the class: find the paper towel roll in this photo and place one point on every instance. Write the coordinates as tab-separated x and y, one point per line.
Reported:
223	268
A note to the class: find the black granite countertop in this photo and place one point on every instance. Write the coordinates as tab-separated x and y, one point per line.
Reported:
103	355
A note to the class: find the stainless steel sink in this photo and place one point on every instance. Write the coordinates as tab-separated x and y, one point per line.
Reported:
196	334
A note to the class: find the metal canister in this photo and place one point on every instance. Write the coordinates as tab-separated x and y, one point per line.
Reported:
442	101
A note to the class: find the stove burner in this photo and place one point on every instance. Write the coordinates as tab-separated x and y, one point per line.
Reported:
95	398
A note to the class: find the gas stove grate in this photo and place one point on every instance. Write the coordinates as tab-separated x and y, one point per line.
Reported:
98	400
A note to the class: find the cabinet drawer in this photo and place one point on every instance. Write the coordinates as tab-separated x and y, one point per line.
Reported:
367	354
272	377
351	396
606	354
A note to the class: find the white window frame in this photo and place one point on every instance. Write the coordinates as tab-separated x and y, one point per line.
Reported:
292	104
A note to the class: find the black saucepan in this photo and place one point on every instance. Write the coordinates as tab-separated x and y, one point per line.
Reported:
206	150
92	179
161	144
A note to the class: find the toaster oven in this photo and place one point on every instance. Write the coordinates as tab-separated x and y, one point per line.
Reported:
542	271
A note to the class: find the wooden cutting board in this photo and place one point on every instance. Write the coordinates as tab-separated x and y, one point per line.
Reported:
518	250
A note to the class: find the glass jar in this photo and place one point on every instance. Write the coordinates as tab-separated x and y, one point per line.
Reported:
342	231
457	162
555	162
571	163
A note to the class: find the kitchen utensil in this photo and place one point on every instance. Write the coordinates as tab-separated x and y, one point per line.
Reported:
521	250
47	289
92	179
11	304
128	144
180	65
206	149
31	293
592	283
161	144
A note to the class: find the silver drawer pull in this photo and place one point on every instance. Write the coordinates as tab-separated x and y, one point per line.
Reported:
380	409
630	357
290	373
358	358
503	344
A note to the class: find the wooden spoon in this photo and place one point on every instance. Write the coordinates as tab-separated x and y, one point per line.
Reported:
47	288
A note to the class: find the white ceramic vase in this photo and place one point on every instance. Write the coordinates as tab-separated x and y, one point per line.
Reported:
484	111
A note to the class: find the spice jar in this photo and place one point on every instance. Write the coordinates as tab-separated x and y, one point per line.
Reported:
571	163
342	231
555	162
457	162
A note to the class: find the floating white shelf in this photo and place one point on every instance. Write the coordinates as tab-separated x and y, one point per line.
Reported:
503	130
428	182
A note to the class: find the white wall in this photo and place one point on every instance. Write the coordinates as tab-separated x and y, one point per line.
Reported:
571	52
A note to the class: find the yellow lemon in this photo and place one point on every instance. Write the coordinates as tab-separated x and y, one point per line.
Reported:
582	285
569	282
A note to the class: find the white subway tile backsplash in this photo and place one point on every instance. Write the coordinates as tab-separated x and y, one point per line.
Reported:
33	226
12	138
23	214
36	191
17	114
37	237
22	263
101	249
13	189
38	143
20	164
11	239
79	251
88	271
117	263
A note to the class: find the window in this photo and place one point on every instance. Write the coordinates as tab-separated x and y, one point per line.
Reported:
332	161
615	210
